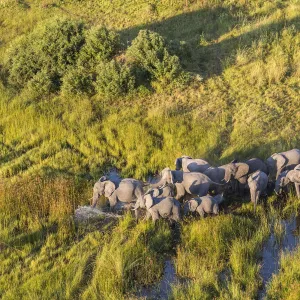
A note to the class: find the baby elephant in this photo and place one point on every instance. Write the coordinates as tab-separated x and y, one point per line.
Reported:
286	177
165	207
206	204
258	182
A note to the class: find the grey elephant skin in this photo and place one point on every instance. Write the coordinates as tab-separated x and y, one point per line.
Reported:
164	207
126	191
257	182
188	164
192	183
286	177
279	162
203	205
240	171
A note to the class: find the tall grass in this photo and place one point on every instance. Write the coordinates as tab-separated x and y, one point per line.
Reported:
220	256
285	284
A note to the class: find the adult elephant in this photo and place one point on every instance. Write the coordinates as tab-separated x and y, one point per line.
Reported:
286	177
188	164
217	174
192	183
127	190
279	162
240	170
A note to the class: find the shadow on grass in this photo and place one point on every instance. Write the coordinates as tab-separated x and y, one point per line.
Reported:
201	31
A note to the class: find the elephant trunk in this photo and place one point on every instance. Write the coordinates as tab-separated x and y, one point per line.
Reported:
94	200
227	176
158	184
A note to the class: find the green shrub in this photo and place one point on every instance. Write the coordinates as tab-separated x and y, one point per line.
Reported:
149	50
77	82
60	44
41	84
23	61
114	79
53	47
101	45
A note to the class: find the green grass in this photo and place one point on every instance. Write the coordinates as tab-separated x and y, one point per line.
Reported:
220	256
242	102
285	284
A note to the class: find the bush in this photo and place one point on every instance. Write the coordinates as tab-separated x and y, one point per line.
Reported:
53	47
114	79
23	62
101	45
60	44
41	84
149	50
77	82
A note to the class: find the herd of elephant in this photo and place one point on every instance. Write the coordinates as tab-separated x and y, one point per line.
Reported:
189	188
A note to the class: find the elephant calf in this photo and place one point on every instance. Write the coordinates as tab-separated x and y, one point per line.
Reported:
258	182
166	207
286	177
206	204
188	164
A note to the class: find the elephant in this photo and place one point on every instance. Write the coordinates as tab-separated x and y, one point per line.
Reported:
167	190
165	207
258	182
206	204
188	164
286	177
128	190
192	183
217	174
279	162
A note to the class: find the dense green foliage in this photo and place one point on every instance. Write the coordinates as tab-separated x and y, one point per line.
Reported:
149	50
114	79
89	85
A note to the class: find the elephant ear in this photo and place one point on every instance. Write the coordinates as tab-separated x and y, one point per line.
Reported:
155	192
103	178
281	161
109	188
242	171
193	204
167	175
148	201
178	163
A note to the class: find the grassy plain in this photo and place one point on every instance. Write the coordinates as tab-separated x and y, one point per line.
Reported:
243	101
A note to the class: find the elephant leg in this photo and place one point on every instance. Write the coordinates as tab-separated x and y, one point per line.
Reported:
175	213
297	186
257	195
252	195
147	216
155	216
200	211
216	209
137	214
180	191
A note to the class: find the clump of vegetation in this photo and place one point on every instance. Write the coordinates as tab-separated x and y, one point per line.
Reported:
51	48
149	50
114	79
101	45
77	82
